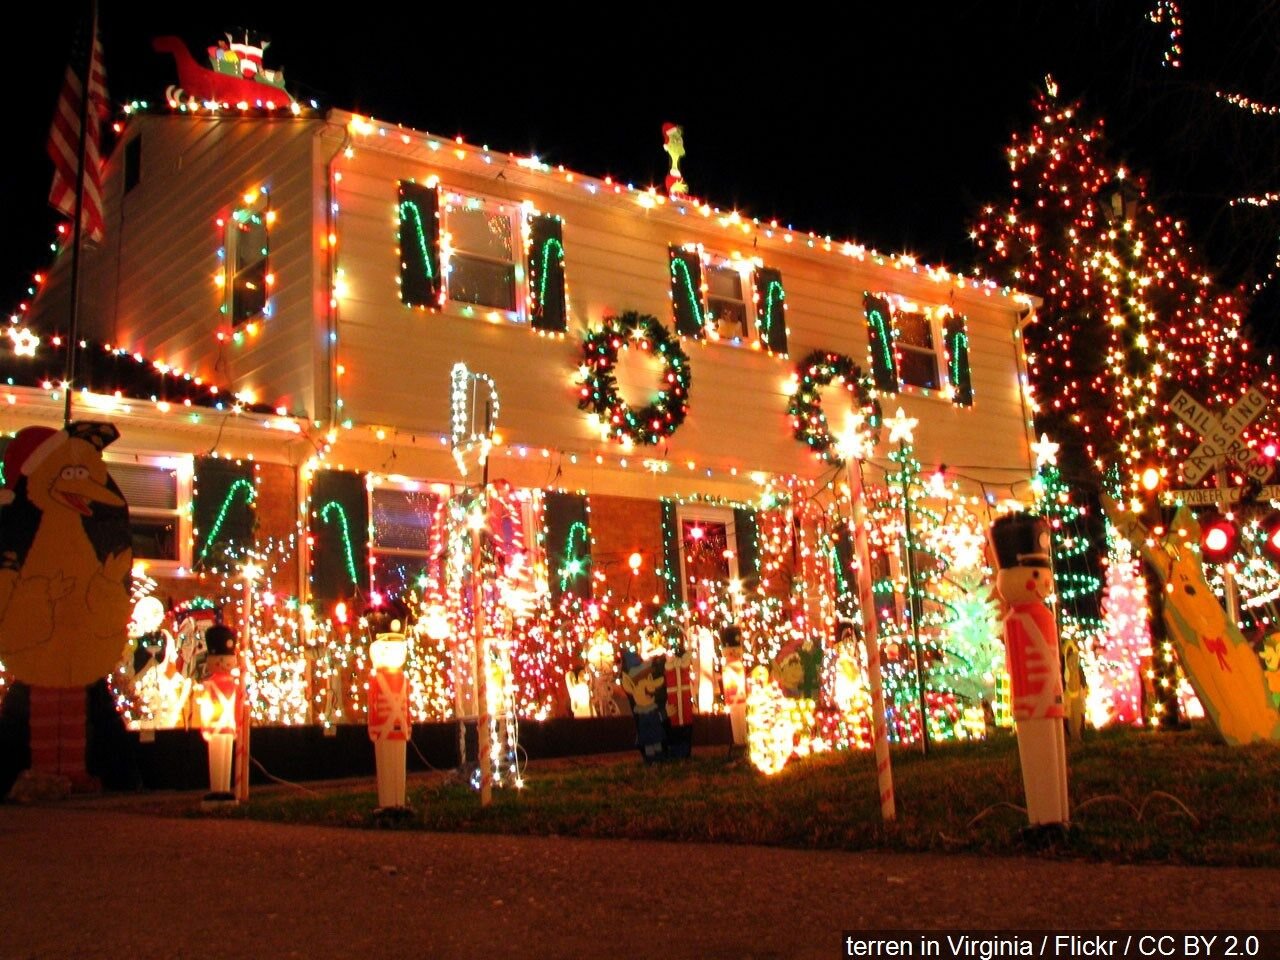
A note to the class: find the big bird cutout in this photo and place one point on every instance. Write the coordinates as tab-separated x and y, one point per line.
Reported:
65	560
1223	668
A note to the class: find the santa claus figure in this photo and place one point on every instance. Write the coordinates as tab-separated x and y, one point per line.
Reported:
1024	583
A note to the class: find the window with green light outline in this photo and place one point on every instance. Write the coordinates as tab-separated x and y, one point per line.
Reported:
921	357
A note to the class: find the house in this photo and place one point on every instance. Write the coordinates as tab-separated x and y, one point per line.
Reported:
325	272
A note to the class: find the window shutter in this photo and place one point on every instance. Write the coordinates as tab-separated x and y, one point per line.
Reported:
771	312
568	544
884	365
222	509
339	535
671	552
747	545
546	274
686	292
956	336
420	280
842	568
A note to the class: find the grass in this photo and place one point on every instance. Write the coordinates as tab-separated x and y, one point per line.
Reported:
1136	797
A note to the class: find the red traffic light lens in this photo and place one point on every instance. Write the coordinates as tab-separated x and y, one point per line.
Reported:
1218	540
1271	537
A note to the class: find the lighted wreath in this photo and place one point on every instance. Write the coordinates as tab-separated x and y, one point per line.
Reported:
808	422
598	392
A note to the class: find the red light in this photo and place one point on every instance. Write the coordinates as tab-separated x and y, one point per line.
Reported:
1270	450
1271	544
1218	540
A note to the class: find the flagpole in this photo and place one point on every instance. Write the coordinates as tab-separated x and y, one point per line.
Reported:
73	324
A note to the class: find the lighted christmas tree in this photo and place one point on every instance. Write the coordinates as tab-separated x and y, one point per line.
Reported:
1131	314
1116	662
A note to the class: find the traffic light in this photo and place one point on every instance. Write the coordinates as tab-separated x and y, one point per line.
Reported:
1271	537
1218	539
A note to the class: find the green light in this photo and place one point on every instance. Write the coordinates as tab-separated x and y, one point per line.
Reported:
333	507
542	272
409	207
695	300
574	564
773	295
240	486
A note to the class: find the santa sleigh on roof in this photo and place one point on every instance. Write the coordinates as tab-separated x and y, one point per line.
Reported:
235	75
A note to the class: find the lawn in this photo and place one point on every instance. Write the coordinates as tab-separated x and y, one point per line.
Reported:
1156	797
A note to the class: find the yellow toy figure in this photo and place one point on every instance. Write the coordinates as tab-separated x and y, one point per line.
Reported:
1223	668
65	559
673	144
1024	582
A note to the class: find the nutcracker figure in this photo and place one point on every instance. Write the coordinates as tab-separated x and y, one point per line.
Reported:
389	724
219	700
1024	582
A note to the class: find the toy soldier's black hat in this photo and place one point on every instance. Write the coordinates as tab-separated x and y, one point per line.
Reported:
1021	541
220	640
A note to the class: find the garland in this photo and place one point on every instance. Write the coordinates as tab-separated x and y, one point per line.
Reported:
809	424
598	392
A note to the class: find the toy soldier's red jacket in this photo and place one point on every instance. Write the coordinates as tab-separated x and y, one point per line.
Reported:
388	705
1031	652
221	696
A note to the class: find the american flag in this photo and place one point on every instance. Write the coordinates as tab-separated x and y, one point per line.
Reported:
64	142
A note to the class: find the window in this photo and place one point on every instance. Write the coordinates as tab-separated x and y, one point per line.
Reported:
726	299
917	350
248	279
708	554
726	303
407	532
926	348
158	491
483	248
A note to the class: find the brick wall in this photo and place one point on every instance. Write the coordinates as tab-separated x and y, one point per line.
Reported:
277	516
621	526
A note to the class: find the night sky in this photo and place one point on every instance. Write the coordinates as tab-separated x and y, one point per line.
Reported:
884	126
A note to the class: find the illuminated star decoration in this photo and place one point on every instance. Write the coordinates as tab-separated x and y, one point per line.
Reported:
1046	451
901	427
852	442
24	341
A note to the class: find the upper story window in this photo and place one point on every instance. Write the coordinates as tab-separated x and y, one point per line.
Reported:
248	279
727	301
494	256
925	348
484	247
731	300
158	491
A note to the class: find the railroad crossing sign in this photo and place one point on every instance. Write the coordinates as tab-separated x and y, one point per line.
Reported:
1221	444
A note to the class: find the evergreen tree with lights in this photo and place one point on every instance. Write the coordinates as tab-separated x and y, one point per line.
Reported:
1131	314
